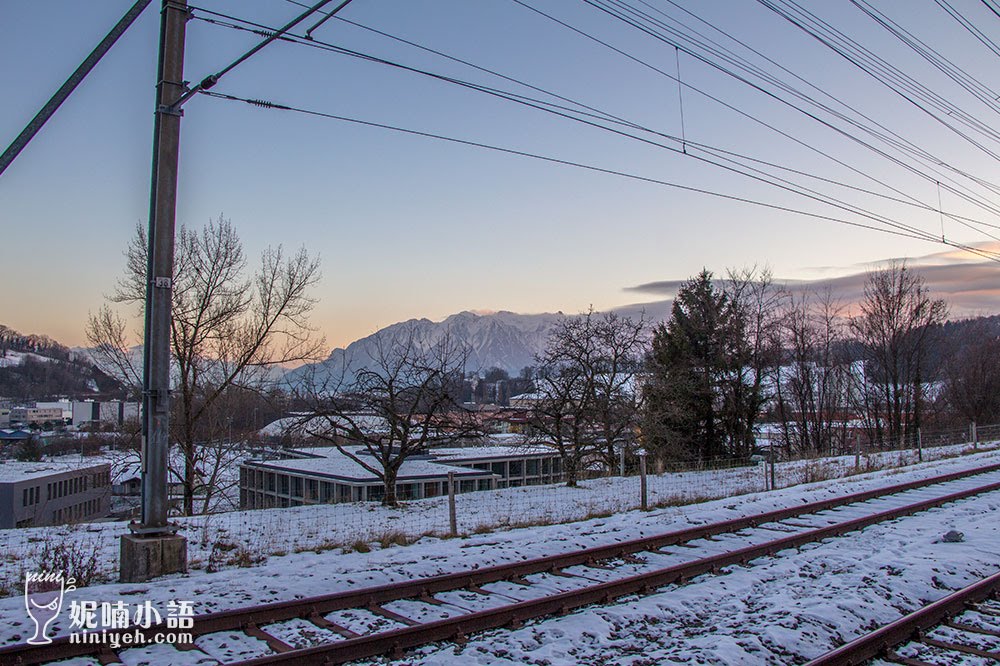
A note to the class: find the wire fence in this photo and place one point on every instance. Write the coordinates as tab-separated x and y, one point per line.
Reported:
246	538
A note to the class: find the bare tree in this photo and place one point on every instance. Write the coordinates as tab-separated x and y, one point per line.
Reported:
972	375
893	326
755	305
563	392
229	328
812	390
405	399
588	398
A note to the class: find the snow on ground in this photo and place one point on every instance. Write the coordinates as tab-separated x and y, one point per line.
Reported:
781	610
248	538
775	612
15	358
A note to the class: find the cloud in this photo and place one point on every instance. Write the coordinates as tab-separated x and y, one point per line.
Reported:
970	288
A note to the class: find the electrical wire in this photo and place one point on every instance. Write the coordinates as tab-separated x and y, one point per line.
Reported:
264	104
731	164
929	160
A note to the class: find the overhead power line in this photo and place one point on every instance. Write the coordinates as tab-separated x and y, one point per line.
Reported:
212	79
914	234
722	158
67	88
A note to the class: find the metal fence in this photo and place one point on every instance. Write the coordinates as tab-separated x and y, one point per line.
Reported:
246	538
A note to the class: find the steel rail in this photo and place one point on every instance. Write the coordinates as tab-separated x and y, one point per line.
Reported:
457	628
313	608
881	641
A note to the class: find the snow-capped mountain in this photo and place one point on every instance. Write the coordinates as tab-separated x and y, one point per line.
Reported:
503	339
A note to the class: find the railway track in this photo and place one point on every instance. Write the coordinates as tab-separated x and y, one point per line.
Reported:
389	619
963	625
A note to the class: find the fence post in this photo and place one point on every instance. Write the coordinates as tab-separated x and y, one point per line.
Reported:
774	484
642	483
452	516
621	461
975	436
857	451
920	446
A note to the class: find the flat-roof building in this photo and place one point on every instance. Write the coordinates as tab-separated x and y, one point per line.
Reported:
325	475
51	493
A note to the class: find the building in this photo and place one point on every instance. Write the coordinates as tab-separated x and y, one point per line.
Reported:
48	493
126	478
14	435
333	478
4	417
325	475
37	415
513	466
114	412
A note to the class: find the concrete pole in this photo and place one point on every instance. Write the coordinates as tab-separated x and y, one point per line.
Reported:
975	436
452	514
920	446
153	549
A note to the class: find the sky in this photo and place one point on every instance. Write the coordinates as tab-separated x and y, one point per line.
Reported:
410	226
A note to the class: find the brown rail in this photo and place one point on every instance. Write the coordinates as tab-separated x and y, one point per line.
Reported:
394	642
881	641
314	608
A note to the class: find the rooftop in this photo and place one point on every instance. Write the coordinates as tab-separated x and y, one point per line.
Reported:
13	471
342	468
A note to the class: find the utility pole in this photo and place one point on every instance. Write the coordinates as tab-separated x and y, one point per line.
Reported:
153	548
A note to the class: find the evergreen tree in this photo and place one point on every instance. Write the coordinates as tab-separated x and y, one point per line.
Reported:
687	368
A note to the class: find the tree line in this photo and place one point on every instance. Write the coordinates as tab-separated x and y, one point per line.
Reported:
734	353
739	352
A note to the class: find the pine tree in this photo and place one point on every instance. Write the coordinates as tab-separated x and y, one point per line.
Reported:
687	367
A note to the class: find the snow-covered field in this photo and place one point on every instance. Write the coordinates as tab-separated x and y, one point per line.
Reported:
778	611
242	539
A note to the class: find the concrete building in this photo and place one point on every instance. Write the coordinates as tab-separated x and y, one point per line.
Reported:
37	415
46	493
4	417
513	465
324	480
325	475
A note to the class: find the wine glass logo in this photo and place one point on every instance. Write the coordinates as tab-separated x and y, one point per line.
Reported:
43	596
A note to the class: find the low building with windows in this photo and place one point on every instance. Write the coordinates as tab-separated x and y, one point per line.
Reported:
334	477
53	493
513	465
325	475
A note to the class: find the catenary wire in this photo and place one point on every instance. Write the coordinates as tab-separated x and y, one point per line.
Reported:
590	167
750	172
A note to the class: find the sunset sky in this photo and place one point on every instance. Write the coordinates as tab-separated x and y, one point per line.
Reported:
409	226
